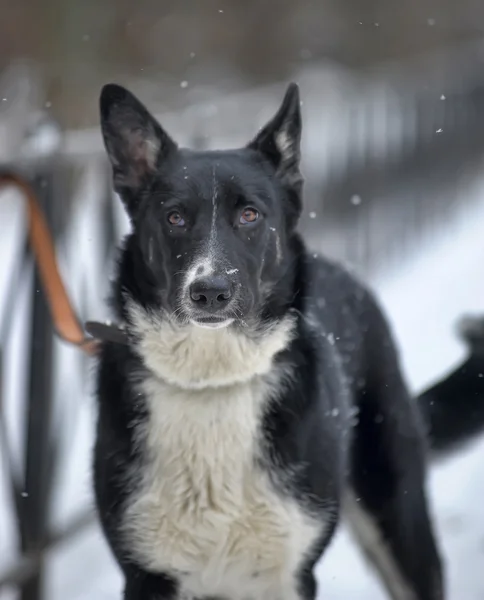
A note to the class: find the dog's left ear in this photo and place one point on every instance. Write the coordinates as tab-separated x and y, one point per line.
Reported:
280	140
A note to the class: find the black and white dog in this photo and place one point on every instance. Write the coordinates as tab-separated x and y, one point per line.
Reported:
259	395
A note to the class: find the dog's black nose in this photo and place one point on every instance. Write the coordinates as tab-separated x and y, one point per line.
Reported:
211	293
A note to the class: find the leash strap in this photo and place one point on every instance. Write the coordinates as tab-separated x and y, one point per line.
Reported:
65	320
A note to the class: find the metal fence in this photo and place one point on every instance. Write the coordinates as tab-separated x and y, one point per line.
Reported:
30	471
33	481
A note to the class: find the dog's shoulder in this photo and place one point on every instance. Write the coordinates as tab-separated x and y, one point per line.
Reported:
327	278
338	298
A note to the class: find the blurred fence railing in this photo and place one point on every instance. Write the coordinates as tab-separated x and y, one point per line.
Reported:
32	393
385	156
31	467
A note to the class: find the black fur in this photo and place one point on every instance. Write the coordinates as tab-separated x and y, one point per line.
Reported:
454	407
343	421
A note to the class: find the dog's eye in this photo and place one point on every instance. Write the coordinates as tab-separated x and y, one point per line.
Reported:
175	219
249	215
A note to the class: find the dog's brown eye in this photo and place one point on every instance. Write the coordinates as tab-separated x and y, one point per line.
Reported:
249	215
175	219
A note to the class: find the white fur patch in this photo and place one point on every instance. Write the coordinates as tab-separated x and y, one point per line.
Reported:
194	358
143	146
206	511
201	268
284	142
278	248
218	325
376	550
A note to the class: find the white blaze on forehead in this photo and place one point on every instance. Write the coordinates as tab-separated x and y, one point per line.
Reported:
211	255
213	228
205	265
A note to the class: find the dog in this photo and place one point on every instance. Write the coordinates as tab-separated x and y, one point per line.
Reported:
258	397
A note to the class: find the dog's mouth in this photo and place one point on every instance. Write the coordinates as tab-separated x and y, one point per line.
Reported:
212	322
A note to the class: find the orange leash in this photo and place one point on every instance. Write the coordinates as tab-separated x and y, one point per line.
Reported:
65	320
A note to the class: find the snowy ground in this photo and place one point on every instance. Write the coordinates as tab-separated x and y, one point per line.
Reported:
423	298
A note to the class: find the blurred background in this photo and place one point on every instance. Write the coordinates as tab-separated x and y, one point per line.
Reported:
393	154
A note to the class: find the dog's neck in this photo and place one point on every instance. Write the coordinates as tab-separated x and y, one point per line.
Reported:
191	357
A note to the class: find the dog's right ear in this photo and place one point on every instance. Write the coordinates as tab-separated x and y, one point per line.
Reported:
135	142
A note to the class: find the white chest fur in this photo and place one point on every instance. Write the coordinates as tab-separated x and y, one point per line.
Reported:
205	511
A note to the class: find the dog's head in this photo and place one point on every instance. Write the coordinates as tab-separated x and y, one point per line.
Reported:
212	227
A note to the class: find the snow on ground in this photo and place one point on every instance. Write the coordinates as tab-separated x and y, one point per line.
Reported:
423	299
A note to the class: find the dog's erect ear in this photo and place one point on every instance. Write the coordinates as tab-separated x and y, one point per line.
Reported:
280	139
134	140
280	142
